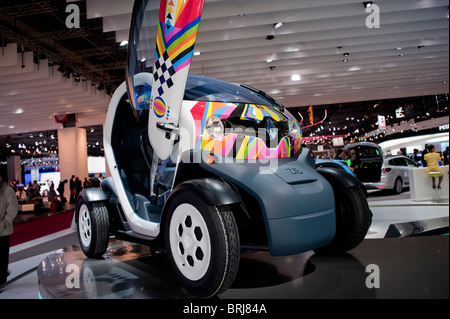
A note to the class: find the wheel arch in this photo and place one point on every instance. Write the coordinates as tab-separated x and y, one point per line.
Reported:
89	196
338	178
213	191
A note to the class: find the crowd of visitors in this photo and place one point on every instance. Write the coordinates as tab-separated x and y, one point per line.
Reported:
56	196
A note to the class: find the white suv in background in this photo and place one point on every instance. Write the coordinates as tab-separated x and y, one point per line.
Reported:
394	174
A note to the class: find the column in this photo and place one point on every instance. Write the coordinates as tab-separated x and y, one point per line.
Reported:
73	156
14	169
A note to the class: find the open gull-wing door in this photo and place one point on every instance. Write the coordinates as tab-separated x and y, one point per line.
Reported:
161	46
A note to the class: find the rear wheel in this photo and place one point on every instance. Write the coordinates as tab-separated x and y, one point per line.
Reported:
93	228
398	186
202	244
353	219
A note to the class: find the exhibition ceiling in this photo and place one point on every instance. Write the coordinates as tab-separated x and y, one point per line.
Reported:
326	53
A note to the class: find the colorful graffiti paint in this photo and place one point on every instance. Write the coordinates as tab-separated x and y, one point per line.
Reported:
176	36
242	145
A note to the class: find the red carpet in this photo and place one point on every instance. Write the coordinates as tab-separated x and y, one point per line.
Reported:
41	227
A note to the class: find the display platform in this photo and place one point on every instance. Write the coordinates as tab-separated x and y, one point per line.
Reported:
399	268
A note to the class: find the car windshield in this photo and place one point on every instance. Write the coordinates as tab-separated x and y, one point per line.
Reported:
200	88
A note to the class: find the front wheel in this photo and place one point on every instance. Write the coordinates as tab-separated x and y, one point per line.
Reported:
202	245
353	220
93	228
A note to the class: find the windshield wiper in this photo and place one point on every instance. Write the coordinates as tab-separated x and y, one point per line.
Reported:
265	95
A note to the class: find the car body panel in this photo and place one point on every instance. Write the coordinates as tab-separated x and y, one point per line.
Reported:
296	202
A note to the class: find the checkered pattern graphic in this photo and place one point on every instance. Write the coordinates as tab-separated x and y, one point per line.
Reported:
163	72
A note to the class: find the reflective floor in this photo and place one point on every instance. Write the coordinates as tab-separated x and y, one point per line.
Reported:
414	267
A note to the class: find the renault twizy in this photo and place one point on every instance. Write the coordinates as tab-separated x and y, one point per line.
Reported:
208	166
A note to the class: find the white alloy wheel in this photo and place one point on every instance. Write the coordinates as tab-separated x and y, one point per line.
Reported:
85	225
190	242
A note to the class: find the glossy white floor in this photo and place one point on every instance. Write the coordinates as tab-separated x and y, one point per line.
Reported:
25	258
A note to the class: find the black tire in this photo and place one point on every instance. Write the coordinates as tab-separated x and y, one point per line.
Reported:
202	244
398	186
353	220
92	228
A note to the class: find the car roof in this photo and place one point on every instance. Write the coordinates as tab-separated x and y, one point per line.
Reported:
362	144
395	156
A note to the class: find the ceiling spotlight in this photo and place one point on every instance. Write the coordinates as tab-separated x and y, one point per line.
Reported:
345	60
346	54
123	43
278	25
420	47
272	67
367	4
270	37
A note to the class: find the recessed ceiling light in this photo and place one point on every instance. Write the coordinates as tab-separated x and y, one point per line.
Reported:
19	111
345	60
197	53
270	37
346	54
444	82
123	43
296	77
367	4
278	25
269	61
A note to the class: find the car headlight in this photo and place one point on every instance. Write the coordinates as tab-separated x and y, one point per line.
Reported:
294	129
214	127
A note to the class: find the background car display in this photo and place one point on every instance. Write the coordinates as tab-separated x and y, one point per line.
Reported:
394	174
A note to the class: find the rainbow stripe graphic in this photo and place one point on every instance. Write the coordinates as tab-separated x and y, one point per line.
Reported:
177	32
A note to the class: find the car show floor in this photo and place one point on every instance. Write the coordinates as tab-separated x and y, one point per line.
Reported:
384	266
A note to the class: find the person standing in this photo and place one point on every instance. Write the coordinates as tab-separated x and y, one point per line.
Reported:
432	159
72	187
60	190
9	209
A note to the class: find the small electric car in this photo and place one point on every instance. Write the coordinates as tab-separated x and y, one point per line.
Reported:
208	171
